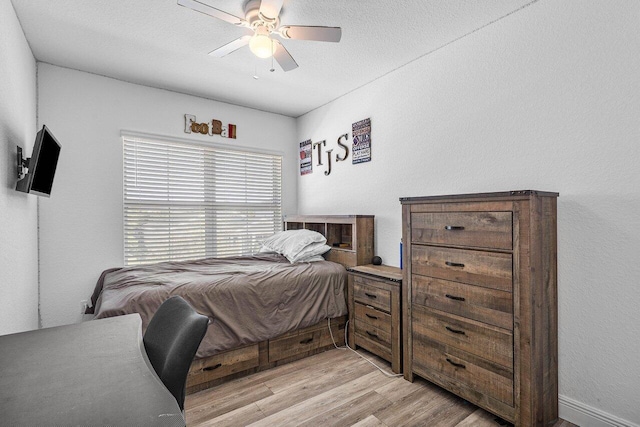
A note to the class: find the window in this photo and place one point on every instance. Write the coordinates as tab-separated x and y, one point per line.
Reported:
186	201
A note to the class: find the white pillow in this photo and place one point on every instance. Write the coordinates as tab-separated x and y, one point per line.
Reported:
296	245
313	258
310	251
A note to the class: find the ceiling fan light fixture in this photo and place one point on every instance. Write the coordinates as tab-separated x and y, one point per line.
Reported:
262	46
263	17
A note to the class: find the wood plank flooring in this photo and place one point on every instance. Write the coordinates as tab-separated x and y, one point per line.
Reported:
334	388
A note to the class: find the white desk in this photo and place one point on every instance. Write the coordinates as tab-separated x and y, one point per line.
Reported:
91	373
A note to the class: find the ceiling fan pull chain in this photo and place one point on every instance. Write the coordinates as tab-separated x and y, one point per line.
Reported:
272	69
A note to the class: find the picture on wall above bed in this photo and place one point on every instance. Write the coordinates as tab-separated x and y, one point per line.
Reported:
361	141
306	166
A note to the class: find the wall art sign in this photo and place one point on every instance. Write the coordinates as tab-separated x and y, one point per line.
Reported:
361	141
361	148
214	127
306	166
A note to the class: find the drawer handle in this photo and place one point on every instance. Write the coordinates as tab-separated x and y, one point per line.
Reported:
371	334
454	297
371	295
457	365
454	264
307	341
212	368
453	227
455	331
370	316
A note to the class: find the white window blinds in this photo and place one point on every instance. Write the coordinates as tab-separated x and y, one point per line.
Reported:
186	201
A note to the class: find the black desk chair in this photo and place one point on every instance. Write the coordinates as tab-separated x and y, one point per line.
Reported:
171	341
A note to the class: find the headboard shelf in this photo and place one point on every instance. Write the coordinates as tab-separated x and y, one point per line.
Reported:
351	237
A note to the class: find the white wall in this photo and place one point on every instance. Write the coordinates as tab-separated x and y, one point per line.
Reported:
81	231
545	99
18	211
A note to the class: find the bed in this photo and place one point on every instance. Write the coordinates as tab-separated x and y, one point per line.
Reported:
264	309
248	299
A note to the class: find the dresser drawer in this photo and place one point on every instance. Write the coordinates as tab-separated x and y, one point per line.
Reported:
371	316
491	230
488	269
373	334
367	294
488	342
474	302
466	370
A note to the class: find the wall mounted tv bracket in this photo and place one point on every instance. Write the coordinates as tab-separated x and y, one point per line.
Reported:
23	164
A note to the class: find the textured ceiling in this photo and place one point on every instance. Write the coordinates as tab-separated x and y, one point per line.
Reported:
161	44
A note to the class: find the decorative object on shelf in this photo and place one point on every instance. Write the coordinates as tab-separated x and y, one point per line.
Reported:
261	23
215	127
306	156
376	260
361	141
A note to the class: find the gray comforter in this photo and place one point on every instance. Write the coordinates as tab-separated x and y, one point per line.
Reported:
249	299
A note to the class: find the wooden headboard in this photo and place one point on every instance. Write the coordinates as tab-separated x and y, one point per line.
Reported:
350	236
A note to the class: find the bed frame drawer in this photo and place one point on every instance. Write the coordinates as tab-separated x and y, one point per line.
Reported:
306	340
223	364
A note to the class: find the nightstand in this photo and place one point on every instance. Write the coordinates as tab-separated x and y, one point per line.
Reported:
375	313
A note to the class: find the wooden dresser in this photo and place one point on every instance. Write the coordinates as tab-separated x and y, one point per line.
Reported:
479	300
374	311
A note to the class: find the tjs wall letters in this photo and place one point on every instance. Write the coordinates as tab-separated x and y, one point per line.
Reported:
361	148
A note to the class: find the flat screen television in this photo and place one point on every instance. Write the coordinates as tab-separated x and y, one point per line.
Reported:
42	165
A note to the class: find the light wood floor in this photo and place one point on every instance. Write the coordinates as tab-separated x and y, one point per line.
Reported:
334	388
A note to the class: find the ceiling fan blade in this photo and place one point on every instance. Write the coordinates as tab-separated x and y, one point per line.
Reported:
230	47
284	58
212	11
270	9
322	34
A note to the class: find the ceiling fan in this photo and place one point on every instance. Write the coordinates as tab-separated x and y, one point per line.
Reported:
262	23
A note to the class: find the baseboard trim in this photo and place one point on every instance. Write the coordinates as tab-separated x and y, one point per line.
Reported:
586	416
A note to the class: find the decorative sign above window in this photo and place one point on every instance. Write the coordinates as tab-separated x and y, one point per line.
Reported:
214	127
361	148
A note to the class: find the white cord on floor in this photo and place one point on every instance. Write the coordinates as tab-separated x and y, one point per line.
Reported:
346	347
